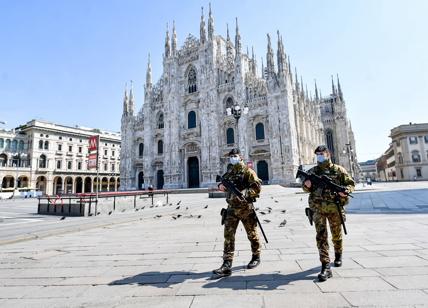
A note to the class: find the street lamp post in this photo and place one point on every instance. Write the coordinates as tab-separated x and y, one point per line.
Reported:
348	151
237	111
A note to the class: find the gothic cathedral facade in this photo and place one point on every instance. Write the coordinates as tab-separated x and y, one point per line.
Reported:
211	99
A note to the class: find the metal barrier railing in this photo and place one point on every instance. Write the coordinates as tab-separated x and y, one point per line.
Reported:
65	204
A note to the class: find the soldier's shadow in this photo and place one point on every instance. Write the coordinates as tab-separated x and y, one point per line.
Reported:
262	281
259	282
162	279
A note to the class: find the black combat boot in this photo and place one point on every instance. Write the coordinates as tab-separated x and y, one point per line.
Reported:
338	259
255	261
325	272
224	270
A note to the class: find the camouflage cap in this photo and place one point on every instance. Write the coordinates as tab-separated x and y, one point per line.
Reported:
234	152
321	148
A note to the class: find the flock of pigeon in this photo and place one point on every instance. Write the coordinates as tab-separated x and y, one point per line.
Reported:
265	212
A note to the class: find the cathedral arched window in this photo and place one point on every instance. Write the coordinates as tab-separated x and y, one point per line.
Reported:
416	157
46	145
260	131
191	119
40	144
160	121
160	147
1	143
191	81
42	161
230	136
141	149
7	144
330	142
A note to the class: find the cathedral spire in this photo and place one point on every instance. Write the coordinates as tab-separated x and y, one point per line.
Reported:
237	40
210	24
173	39
339	89
302	91
306	91
149	73
125	102
263	69
167	46
297	80
269	58
228	45
253	60
203	36
316	91
333	88
131	105
280	55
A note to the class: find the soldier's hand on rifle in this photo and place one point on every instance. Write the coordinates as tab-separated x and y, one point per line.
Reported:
221	187
308	183
343	195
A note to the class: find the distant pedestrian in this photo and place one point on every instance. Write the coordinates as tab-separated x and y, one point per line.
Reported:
323	206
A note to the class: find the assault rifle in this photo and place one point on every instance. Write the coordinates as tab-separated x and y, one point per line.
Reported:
232	189
326	183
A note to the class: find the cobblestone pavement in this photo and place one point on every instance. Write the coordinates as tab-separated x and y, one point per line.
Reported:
164	257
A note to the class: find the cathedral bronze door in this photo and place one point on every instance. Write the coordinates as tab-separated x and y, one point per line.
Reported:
141	180
160	180
263	171
193	172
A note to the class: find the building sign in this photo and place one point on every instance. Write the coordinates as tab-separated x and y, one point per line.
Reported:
92	161
93	152
93	143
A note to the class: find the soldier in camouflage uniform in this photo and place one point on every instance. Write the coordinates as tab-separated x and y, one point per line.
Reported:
322	203
245	180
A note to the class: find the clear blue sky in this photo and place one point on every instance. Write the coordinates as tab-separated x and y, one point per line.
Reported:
68	61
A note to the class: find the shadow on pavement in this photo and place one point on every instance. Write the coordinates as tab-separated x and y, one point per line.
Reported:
161	279
262	281
259	281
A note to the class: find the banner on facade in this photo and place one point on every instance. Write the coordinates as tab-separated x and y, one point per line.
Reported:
93	143
92	161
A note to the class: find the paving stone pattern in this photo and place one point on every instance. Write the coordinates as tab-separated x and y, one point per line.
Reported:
166	260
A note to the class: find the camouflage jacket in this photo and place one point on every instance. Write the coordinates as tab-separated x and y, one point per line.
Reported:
245	180
323	198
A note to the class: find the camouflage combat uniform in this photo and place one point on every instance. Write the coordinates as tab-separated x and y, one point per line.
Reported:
246	180
324	208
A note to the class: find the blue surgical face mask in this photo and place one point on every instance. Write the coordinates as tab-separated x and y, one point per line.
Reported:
234	160
321	158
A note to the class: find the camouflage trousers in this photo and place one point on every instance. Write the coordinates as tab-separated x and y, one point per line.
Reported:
320	220
245	215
